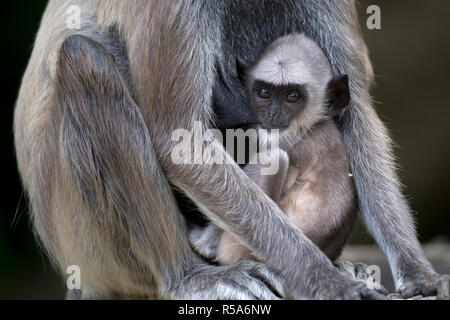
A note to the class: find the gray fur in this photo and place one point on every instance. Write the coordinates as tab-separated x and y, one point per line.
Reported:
93	147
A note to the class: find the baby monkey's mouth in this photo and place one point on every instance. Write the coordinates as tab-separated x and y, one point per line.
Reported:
274	120
275	124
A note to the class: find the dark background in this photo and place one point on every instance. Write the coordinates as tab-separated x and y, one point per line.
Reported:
410	55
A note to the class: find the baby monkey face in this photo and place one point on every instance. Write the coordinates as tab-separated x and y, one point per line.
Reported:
276	105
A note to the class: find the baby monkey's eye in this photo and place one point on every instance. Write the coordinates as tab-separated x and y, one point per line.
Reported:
293	96
264	93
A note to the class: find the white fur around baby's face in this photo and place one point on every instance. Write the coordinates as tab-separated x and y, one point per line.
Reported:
295	59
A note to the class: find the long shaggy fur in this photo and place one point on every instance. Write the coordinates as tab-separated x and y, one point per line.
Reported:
93	145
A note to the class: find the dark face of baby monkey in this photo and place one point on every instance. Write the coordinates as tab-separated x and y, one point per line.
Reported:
275	105
292	81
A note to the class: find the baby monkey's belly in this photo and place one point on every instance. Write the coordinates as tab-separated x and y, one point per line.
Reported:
318	194
321	204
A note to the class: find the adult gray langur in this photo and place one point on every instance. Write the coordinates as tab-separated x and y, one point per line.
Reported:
93	126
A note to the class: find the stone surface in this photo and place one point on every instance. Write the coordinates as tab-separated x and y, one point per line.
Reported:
396	296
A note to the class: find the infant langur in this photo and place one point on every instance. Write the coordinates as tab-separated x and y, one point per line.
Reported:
291	88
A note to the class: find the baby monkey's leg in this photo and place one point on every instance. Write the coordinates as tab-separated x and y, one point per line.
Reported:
213	243
206	240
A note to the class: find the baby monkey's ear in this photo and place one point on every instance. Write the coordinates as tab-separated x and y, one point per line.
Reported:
338	92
